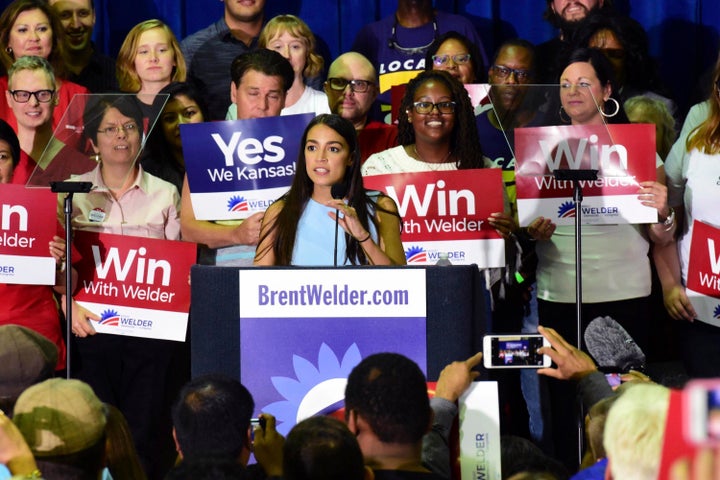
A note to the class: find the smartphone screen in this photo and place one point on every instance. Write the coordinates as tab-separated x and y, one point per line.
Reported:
713	414
516	351
702	412
613	379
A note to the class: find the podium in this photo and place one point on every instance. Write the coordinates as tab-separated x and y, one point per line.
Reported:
457	316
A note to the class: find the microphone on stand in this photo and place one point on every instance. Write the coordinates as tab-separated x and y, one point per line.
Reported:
338	192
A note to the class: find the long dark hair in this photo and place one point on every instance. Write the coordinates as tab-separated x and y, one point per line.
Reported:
157	147
295	200
639	67
464	139
8	135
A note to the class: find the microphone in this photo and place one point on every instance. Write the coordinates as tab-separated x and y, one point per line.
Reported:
338	192
612	347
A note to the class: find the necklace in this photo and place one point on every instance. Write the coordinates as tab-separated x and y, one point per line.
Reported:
393	42
431	165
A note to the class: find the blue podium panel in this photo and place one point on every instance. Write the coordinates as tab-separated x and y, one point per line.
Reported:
456	309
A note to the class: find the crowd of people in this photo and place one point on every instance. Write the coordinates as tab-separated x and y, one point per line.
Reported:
71	112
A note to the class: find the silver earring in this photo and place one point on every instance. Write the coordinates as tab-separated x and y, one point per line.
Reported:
9	50
617	108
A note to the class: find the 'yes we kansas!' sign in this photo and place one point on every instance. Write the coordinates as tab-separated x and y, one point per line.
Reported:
237	168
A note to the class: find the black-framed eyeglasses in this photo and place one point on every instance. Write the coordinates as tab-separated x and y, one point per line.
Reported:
459	59
425	108
504	72
130	127
358	86
23	96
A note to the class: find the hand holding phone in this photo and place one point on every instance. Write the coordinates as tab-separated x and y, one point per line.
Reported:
514	351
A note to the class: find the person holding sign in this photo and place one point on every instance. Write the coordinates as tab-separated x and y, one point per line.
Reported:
298	229
616	267
436	133
616	280
261	79
31	306
694	183
129	372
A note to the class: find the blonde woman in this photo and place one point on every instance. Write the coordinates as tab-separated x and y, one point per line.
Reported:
693	172
149	59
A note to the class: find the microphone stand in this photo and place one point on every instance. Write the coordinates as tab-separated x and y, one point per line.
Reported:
70	188
338	191
337	213
575	176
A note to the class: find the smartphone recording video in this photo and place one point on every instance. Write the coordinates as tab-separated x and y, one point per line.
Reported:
514	351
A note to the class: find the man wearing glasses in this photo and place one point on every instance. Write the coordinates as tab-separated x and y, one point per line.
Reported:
32	97
506	107
351	89
511	104
397	44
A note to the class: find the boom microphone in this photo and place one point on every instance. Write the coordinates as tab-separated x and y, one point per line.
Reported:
612	347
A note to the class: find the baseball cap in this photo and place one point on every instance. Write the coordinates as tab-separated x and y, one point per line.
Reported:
59	417
26	358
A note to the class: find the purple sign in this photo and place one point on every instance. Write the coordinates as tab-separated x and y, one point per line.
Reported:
236	168
297	367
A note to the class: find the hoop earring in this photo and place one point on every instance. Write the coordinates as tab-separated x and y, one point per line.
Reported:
560	113
617	109
9	50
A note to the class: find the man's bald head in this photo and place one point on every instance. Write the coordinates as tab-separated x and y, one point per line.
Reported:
355	62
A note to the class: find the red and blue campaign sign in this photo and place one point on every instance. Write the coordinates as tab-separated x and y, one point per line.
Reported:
703	273
27	224
624	155
138	286
303	331
237	168
447	212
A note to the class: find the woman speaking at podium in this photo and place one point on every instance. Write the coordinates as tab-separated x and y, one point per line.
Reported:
327	194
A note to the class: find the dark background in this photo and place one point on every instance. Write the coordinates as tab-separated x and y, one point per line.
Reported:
683	33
